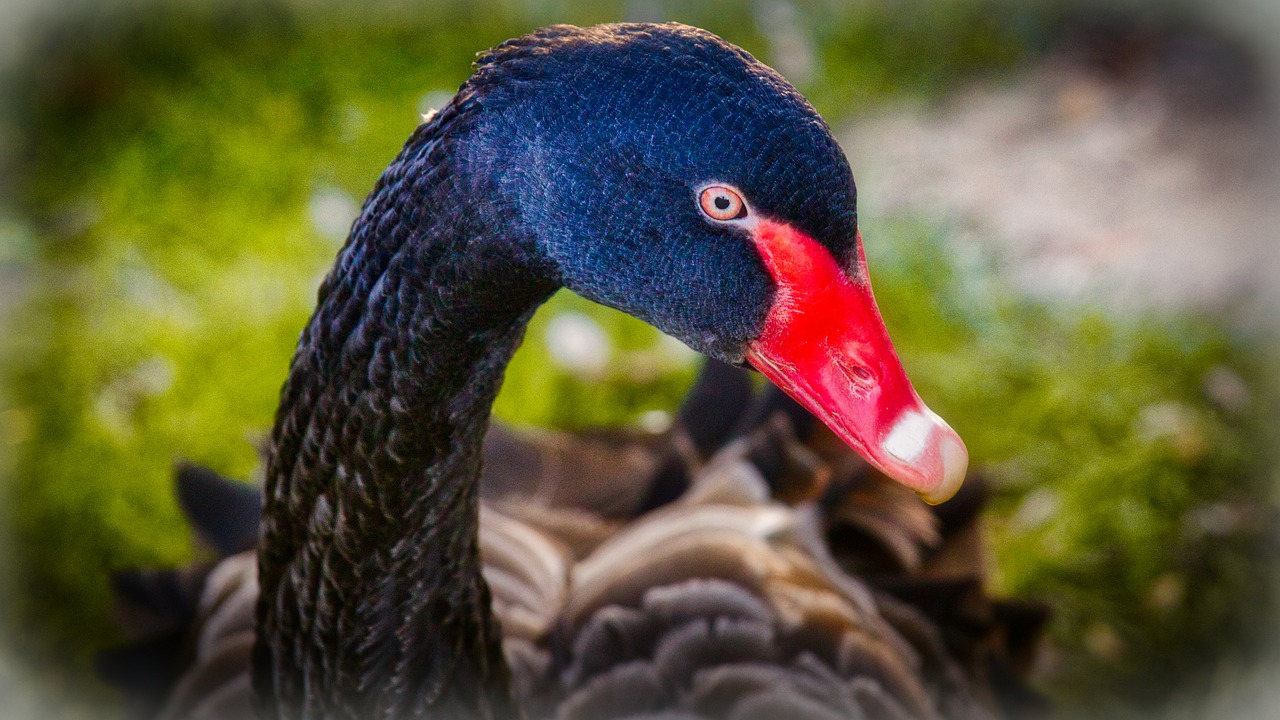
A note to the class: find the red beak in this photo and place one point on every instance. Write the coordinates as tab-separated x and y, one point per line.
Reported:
825	344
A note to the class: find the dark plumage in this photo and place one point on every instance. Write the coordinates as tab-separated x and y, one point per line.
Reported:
702	646
573	158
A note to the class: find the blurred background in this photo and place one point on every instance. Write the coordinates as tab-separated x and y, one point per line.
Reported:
1069	211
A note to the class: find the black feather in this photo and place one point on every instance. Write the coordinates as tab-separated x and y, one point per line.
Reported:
223	512
712	409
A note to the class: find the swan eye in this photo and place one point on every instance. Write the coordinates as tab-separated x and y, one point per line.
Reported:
722	203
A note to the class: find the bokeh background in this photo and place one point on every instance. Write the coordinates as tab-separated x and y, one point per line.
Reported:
1070	218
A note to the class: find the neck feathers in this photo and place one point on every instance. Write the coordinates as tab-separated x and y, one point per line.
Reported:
372	602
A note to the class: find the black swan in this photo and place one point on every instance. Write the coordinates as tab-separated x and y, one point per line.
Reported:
662	171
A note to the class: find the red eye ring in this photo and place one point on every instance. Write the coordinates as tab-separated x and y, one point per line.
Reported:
722	203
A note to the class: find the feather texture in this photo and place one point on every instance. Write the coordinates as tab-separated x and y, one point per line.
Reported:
725	603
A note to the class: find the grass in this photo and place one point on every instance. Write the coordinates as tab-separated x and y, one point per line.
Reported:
1134	467
187	176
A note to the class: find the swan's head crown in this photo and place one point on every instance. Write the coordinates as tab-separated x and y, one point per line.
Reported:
602	139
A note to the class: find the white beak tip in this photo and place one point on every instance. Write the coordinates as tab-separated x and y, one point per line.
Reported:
955	465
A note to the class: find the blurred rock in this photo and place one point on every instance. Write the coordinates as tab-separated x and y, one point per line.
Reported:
332	211
1227	389
578	344
1136	168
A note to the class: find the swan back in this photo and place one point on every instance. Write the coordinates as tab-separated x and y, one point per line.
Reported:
853	599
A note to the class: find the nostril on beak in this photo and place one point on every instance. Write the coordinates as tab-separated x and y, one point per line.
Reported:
857	374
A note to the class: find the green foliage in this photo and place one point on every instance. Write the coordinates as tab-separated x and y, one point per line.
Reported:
646	373
173	170
1133	465
185	181
876	50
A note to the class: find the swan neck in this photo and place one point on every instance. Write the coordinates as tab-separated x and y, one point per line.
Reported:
372	601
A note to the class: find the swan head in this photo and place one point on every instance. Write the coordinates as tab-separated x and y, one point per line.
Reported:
662	171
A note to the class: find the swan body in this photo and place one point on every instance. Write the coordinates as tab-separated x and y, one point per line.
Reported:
723	602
